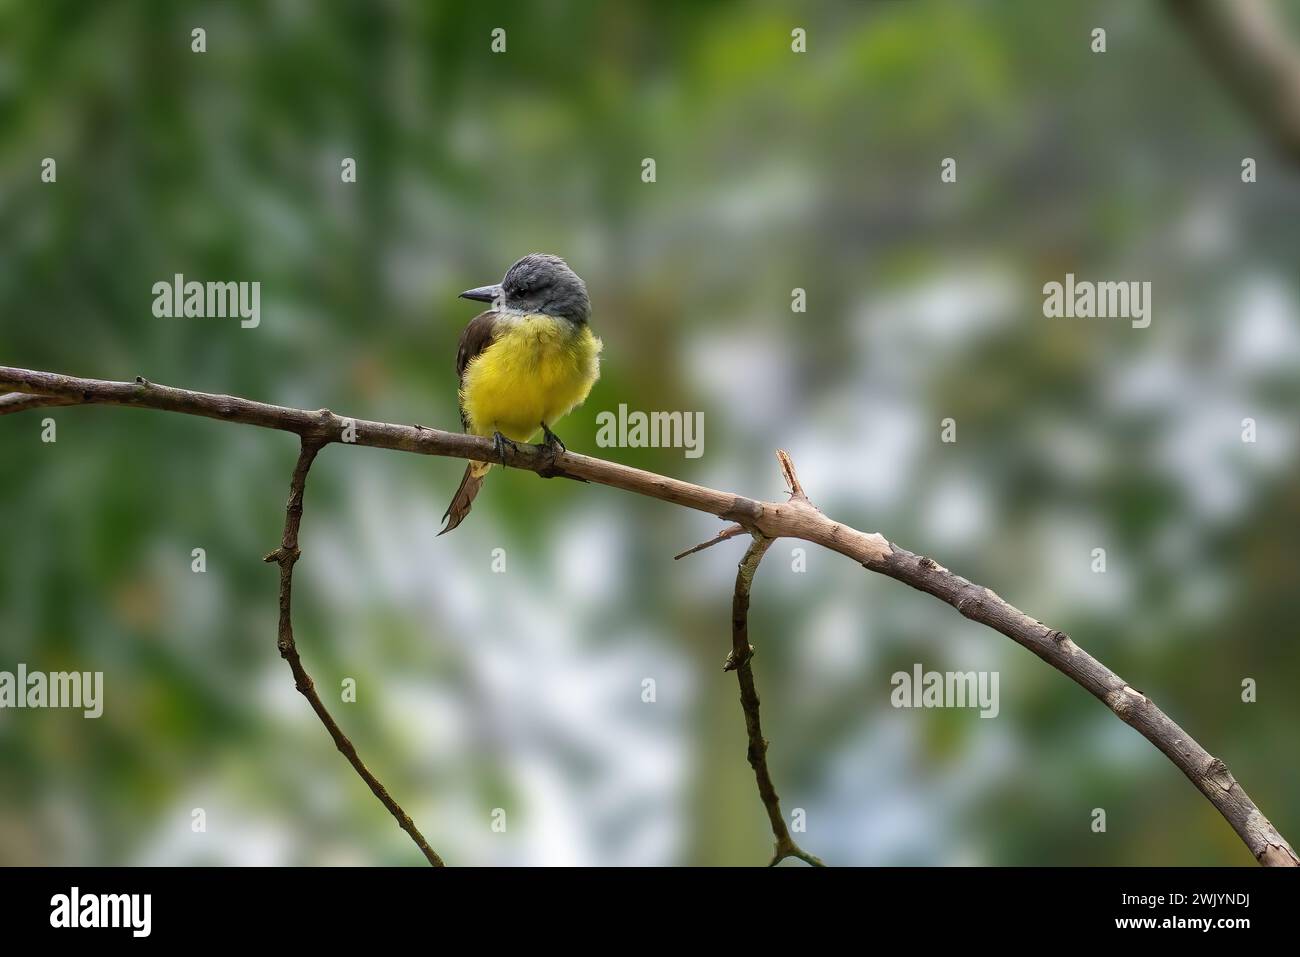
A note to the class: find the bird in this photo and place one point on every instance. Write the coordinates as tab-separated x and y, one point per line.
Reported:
523	364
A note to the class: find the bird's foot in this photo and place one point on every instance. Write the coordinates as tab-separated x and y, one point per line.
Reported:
499	445
551	448
551	440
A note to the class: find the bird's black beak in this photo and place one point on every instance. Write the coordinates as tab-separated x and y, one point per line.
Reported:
483	293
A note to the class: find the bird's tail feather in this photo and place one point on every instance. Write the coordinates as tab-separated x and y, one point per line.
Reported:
464	497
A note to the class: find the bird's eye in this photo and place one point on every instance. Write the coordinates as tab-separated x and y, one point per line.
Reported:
529	287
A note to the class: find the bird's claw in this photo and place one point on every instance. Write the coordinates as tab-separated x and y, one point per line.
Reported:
499	445
552	448
551	440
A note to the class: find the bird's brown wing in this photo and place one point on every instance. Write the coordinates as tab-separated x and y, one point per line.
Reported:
478	335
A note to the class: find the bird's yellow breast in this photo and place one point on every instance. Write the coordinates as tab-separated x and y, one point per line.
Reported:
536	370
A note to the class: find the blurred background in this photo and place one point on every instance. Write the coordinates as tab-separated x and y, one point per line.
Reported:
523	690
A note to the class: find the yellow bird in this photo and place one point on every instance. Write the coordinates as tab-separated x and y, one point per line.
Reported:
523	364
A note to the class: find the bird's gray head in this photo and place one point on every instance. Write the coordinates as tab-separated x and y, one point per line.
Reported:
541	283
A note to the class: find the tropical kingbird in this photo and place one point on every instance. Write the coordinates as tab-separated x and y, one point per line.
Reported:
524	363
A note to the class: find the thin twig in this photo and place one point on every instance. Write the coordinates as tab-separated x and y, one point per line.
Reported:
796	518
742	652
286	556
729	532
792	483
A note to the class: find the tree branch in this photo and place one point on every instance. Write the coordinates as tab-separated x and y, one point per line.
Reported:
20	402
796	518
738	660
286	556
1250	49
